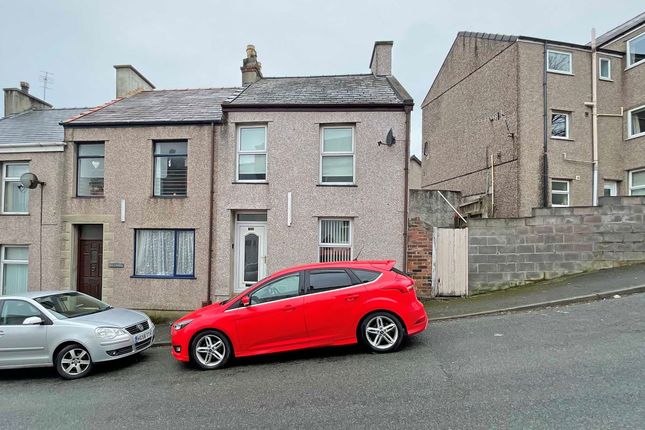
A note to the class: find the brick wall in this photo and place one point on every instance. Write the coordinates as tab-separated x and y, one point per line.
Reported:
419	264
555	242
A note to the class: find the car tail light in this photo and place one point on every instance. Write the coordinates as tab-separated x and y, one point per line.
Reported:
403	284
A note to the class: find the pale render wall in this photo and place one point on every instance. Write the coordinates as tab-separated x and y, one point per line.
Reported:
376	203
129	175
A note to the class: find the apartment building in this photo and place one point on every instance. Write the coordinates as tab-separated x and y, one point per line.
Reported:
519	122
174	198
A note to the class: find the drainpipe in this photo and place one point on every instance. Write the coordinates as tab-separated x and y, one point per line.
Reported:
594	116
211	202
545	157
408	110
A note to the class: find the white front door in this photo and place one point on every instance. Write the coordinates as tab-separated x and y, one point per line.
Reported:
250	255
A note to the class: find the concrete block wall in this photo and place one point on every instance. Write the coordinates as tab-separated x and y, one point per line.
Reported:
555	242
419	264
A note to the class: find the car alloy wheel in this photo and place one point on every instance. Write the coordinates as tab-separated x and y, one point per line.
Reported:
211	350
382	332
73	362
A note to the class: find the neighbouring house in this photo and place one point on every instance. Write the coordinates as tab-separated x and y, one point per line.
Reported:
175	198
31	140
415	173
518	122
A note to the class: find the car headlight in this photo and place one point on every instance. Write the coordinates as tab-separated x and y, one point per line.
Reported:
110	332
182	324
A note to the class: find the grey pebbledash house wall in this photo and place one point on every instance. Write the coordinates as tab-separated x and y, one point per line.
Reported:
555	242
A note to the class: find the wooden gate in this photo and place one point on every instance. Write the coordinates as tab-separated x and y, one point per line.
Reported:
450	262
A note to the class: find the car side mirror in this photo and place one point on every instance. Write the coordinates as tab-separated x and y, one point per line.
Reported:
246	300
33	321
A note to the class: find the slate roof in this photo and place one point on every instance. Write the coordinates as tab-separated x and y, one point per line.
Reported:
35	126
620	30
364	89
489	36
158	107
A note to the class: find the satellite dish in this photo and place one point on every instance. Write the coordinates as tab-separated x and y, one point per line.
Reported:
29	180
389	139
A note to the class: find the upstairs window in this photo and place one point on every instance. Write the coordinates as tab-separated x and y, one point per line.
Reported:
636	50
559	125
90	170
559	62
337	156
636	122
171	169
559	193
14	199
252	154
604	69
335	240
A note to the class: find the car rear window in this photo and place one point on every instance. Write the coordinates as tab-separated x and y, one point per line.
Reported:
399	272
366	275
323	280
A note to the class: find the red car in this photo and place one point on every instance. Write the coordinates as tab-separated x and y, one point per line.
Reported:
315	305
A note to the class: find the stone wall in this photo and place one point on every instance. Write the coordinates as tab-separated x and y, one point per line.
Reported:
419	264
555	242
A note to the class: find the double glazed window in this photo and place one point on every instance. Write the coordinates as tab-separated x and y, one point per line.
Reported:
164	253
14	269
636	50
14	200
637	183
560	193
559	62
337	155
636	122
604	68
335	240
252	154
90	170
171	169
560	125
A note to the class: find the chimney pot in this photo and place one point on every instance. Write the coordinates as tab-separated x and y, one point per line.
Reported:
24	86
251	67
381	63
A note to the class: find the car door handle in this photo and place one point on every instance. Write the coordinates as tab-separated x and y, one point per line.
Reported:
351	298
289	308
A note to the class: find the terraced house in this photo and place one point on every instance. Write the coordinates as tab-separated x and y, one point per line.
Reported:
537	123
174	198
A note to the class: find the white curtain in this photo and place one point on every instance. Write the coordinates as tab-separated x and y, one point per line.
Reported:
185	251
155	252
14	278
14	199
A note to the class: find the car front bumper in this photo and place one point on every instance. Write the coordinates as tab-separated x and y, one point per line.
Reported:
113	350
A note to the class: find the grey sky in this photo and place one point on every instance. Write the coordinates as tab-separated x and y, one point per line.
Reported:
192	44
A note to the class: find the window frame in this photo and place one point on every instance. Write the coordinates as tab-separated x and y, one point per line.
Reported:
630	122
238	151
631	187
600	76
567	116
628	52
4	180
154	166
4	261
321	244
174	269
78	167
569	54
567	193
324	154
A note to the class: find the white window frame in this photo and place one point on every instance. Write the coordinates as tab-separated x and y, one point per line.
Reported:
631	187
4	261
567	115
5	180
629	66
561	72
629	123
322	244
600	76
324	154
567	192
612	186
240	152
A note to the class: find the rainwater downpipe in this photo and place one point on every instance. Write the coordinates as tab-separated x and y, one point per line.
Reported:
594	117
545	160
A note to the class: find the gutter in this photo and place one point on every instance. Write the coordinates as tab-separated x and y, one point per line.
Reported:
12	148
139	123
594	118
408	111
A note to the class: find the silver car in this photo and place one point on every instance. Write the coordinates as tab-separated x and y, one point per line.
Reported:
68	330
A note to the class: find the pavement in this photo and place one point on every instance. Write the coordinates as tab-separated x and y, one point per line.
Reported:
570	289
580	366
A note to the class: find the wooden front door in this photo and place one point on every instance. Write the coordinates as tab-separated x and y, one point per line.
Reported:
90	267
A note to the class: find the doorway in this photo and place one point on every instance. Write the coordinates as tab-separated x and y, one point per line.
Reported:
90	260
250	249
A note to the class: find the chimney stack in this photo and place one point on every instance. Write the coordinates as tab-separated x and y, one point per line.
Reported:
19	100
381	63
129	81
251	67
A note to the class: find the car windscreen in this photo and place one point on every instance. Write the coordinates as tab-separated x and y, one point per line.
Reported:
72	304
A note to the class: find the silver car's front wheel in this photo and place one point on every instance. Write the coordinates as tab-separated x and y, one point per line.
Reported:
73	362
211	350
382	332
